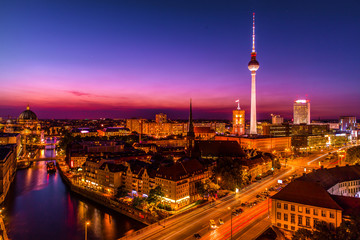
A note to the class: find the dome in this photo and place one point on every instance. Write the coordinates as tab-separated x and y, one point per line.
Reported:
28	115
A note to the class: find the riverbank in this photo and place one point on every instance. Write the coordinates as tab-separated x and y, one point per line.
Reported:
106	201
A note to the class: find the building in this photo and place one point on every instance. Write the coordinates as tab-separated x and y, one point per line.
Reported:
11	138
302	111
161	118
7	168
253	67
204	133
238	121
261	143
276	119
277	130
347	124
114	131
178	182
326	195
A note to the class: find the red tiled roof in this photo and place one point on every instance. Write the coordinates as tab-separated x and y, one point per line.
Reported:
203	130
308	193
350	205
328	177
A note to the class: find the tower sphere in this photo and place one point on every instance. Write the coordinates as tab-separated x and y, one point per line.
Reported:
253	65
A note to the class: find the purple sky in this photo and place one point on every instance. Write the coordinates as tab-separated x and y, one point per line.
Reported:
119	59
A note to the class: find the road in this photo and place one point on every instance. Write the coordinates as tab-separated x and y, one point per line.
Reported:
247	225
184	226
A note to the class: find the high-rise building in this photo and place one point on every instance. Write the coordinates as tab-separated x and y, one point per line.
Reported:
238	121
253	67
302	111
347	123
161	118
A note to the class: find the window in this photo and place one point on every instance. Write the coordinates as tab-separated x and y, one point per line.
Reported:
278	224
278	216
300	209
285	206
292	218
286	226
316	221
293	228
316	212
323	213
292	208
300	220
307	221
278	205
332	215
307	210
286	217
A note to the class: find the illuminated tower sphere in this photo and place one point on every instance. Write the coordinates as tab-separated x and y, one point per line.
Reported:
253	67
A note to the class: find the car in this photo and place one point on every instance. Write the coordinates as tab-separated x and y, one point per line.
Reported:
212	224
221	222
197	236
239	210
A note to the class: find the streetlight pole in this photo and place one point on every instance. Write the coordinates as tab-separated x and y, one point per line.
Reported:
231	223
86	224
231	213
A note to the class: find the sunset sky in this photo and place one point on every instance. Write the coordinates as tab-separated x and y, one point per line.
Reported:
120	59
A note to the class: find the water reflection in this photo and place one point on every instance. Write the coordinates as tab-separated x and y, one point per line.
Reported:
39	206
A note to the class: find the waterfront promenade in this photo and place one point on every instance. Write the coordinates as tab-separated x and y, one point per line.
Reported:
105	199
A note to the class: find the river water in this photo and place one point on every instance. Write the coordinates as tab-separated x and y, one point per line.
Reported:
40	206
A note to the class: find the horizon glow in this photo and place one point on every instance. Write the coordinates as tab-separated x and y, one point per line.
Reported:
124	59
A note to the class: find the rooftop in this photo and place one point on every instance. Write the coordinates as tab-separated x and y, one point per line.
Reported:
308	193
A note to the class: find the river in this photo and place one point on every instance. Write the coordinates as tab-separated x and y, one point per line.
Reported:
40	206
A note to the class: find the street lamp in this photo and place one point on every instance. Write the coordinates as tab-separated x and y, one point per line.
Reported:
217	181
231	214
87	223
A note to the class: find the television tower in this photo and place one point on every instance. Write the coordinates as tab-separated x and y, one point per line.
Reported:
253	67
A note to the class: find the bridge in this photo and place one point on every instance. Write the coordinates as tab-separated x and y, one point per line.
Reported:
40	159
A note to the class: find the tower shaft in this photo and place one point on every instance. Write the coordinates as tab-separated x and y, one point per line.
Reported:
253	129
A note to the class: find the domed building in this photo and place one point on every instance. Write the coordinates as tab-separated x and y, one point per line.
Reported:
27	116
29	122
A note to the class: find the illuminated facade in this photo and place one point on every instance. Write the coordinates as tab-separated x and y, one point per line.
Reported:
324	195
253	67
238	121
161	118
302	111
347	124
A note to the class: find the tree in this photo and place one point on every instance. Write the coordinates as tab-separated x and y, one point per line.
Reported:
121	192
353	155
155	194
231	172
207	189
348	230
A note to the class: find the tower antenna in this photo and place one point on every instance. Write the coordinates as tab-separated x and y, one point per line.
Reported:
253	35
